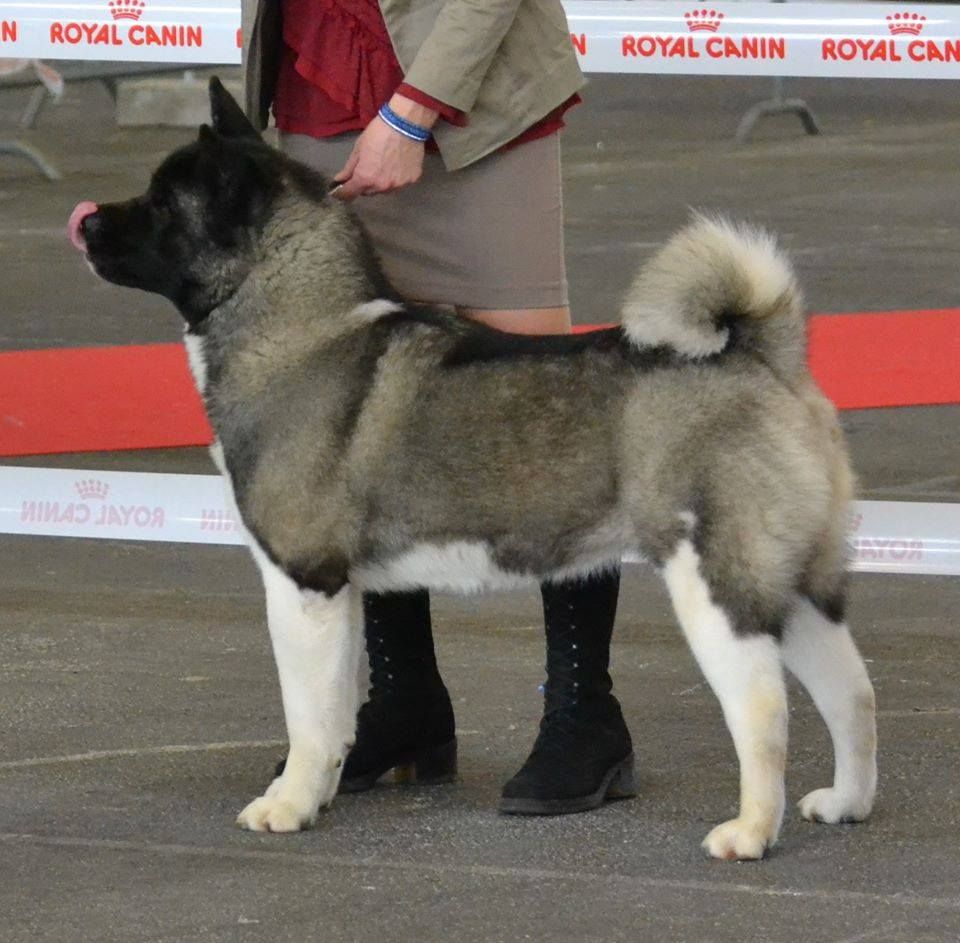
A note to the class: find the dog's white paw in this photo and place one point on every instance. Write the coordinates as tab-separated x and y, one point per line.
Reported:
273	813
828	805
737	840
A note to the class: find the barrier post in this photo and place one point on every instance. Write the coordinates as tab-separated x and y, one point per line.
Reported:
19	149
778	105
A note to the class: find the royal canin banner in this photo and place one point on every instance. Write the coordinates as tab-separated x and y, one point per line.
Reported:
885	536
196	32
834	40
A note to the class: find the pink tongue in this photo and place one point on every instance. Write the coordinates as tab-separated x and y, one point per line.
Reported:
79	214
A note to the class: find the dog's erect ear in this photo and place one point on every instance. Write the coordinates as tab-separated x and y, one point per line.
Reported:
207	136
228	117
238	183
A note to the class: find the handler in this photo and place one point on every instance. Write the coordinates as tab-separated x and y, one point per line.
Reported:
442	117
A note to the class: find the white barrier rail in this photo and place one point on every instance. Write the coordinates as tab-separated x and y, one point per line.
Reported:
836	40
887	537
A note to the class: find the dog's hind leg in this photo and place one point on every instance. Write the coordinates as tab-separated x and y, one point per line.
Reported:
822	655
316	643
746	674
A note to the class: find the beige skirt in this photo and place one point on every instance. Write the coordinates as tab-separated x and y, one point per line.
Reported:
488	236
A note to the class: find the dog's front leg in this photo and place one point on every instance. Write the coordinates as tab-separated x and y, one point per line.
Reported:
316	643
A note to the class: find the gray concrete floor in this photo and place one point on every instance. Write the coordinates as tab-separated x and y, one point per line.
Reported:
140	700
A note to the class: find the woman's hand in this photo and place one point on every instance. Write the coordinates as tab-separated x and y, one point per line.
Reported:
383	159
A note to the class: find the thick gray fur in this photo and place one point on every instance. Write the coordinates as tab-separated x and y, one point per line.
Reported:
356	436
351	441
373	445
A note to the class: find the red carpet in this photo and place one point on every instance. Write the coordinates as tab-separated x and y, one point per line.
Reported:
98	399
139	397
901	358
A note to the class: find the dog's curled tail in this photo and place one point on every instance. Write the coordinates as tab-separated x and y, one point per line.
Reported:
717	286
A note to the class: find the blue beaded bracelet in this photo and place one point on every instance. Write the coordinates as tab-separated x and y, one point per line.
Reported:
407	128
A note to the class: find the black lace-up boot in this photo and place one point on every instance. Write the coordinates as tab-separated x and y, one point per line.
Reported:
583	754
407	723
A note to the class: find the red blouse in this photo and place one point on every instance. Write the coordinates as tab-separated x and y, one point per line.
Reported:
338	67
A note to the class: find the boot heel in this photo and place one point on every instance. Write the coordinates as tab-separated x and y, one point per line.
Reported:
623	785
430	766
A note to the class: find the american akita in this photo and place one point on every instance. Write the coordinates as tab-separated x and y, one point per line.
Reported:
377	445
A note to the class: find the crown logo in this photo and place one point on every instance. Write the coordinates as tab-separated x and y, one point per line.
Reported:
126	9
703	20
90	488
910	24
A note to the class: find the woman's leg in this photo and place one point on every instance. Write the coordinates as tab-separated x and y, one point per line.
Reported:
583	754
522	320
407	722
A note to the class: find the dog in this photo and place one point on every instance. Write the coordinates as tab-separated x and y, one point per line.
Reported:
372	444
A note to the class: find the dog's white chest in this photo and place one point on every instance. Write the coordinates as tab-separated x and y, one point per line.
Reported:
196	359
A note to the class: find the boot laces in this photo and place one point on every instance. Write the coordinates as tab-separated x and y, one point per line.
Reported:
381	668
562	696
564	672
571	677
395	672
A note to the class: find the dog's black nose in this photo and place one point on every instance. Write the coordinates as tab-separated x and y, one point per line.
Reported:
90	225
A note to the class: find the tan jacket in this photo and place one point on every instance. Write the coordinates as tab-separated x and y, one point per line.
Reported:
506	63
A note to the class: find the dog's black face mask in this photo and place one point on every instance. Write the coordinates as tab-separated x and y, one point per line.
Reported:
190	236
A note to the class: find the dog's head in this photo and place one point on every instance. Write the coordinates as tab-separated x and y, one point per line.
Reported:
192	236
